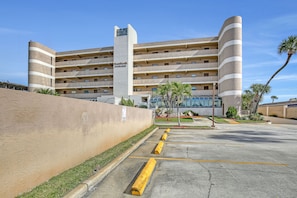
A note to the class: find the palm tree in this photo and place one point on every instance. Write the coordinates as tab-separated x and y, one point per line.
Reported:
247	99
288	46
47	91
257	89
165	91
179	92
273	98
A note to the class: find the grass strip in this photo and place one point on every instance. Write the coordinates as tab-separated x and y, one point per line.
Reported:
63	183
173	119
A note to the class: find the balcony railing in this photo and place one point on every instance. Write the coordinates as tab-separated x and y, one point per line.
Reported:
84	85
194	92
176	68
84	62
73	74
85	95
182	54
189	80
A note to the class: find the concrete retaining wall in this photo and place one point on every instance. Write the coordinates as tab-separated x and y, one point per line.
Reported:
42	136
281	111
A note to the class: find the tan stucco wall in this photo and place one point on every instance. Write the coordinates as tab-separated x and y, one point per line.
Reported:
281	111
42	136
292	112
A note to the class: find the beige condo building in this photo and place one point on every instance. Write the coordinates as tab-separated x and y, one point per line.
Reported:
212	65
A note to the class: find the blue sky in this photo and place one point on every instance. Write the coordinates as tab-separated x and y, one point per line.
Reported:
68	25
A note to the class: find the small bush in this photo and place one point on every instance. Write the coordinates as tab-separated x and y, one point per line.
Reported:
189	112
231	112
256	117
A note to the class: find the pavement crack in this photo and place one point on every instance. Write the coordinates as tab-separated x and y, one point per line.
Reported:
209	180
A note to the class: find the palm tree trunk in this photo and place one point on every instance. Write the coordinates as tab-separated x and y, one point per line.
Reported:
178	116
264	88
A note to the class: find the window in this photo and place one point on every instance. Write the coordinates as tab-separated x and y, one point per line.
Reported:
178	63
154	89
155	52
86	91
87	81
65	70
154	77
178	76
105	91
154	64
95	57
65	81
95	91
205	87
95	79
206	74
193	62
73	92
166	51
95	68
194	88
65	92
166	76
206	48
193	75
166	63
206	61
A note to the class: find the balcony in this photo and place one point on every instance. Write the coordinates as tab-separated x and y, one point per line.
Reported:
90	73
176	55
176	68
194	92
79	85
85	95
84	62
188	80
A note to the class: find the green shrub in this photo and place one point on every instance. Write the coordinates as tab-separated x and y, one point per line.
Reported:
231	112
256	117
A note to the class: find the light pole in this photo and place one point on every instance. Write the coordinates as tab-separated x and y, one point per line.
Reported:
213	99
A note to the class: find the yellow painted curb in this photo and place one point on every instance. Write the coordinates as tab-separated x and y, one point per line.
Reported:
167	130
143	178
164	136
159	147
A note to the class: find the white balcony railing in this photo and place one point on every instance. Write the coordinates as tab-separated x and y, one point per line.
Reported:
90	73
84	62
85	95
175	55
176	68
189	80
84	85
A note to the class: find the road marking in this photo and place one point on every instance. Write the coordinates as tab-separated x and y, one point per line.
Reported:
212	161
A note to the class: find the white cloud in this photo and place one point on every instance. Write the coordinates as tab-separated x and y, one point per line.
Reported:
286	77
13	31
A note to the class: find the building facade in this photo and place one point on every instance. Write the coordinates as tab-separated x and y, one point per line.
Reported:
212	65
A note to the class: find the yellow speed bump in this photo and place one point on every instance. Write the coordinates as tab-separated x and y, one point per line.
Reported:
164	136
167	130
159	147
143	178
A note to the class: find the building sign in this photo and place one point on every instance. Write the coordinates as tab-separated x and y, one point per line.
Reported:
124	113
121	64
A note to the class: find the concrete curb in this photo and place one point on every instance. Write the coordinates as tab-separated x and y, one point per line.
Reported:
164	136
144	177
87	185
159	147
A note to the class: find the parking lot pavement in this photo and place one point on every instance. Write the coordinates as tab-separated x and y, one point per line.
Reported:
228	161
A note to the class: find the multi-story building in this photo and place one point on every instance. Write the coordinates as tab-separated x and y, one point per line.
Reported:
212	65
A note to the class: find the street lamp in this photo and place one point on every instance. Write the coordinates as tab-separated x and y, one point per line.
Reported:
213	103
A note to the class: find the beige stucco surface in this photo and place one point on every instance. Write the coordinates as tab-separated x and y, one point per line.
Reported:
282	111
42	136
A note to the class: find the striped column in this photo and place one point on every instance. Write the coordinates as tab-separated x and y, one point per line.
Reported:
230	63
41	67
